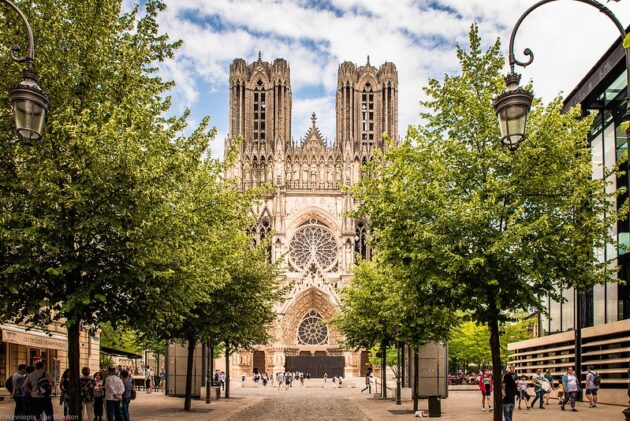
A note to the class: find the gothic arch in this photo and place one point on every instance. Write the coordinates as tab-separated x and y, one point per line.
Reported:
366	78
312	299
313	212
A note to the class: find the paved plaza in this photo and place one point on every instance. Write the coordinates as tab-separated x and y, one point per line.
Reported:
322	402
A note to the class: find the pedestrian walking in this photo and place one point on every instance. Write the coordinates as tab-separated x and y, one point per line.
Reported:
87	394
593	380
539	388
39	386
325	377
486	387
510	391
549	379
99	395
571	388
148	377
127	395
522	392
64	386
114	389
27	400
368	383
560	393
17	389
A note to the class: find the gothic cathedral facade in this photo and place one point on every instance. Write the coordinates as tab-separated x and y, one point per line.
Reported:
313	236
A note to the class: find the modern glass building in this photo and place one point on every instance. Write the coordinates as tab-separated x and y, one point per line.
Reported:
603	313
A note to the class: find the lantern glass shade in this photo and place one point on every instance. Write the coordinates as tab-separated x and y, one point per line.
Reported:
30	105
512	107
512	122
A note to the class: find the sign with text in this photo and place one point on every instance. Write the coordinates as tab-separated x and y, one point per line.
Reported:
33	339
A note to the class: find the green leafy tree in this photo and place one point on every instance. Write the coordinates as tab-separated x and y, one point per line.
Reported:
469	342
485	230
94	217
369	311
122	338
380	307
242	311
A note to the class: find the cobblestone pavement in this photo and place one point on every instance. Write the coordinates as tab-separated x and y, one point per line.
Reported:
318	401
301	403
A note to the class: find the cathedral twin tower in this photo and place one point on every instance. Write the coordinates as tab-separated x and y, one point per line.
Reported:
260	113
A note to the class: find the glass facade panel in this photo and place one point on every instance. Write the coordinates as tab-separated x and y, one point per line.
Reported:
612	302
599	304
597	154
567	310
554	316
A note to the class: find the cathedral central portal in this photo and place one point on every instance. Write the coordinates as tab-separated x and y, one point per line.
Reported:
313	236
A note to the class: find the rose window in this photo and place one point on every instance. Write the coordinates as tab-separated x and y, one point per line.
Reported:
312	330
313	244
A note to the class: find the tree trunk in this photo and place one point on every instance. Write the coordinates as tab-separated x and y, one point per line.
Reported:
416	378
189	373
398	372
402	364
74	390
227	369
211	362
207	347
495	349
384	369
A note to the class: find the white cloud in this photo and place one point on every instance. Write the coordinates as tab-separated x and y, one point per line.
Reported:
414	34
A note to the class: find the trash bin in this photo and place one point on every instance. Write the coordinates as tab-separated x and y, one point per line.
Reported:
435	406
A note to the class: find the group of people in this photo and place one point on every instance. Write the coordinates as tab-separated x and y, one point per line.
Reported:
282	379
516	388
106	392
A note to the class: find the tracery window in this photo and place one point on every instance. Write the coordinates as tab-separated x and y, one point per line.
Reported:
313	243
260	106
312	330
360	240
367	114
260	230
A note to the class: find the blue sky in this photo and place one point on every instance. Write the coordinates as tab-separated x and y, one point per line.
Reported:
418	36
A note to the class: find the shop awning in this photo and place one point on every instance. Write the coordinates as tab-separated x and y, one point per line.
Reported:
34	338
119	353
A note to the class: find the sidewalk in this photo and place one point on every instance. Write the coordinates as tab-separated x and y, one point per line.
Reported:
157	407
461	406
466	406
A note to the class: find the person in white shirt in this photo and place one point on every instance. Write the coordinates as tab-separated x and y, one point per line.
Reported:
571	388
114	389
148	376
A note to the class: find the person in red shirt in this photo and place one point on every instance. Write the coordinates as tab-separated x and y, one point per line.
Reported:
486	387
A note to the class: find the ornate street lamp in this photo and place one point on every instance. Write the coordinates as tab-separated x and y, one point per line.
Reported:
513	105
28	101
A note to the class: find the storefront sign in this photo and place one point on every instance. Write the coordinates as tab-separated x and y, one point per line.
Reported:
16	335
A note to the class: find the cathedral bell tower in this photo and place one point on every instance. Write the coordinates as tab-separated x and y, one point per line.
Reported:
260	113
367	106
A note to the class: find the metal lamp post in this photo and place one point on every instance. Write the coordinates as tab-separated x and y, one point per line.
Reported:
29	102
513	105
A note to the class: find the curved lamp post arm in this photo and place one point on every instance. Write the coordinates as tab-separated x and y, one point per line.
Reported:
30	53
603	9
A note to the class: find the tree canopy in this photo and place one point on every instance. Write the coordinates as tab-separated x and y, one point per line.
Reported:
480	228
110	217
